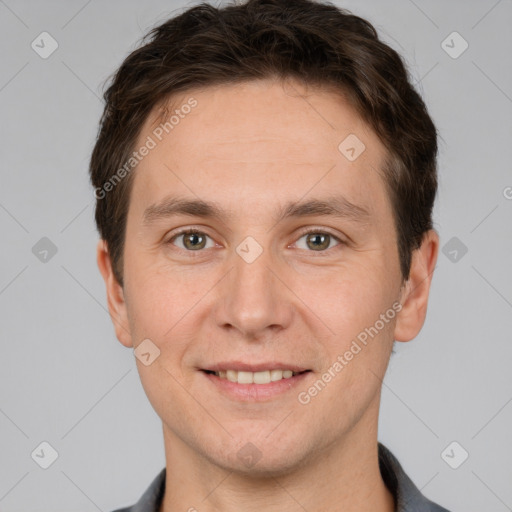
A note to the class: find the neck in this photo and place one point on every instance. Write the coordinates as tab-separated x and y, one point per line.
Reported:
344	476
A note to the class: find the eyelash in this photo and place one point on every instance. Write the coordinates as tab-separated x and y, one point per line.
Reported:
316	231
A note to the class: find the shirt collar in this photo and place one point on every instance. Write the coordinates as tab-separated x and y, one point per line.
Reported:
407	496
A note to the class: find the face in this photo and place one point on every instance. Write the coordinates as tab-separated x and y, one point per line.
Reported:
256	247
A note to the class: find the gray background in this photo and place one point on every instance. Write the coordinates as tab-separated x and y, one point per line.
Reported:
65	379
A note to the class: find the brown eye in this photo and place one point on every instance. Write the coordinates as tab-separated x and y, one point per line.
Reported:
191	240
318	241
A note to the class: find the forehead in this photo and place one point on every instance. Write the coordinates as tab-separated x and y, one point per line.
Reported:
259	140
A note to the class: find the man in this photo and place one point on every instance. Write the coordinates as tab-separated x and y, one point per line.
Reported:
265	176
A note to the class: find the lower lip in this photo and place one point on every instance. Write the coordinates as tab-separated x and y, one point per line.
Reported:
256	392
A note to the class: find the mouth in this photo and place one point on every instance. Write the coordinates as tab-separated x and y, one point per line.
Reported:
261	377
254	383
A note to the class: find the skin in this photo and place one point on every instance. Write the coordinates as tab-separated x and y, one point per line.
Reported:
294	303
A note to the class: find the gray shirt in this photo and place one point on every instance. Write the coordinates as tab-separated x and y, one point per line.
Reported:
407	496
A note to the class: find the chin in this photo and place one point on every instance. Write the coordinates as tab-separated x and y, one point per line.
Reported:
259	459
264	468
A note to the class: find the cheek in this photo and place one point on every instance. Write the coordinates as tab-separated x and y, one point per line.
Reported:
167	305
161	308
359	351
351	298
155	294
351	304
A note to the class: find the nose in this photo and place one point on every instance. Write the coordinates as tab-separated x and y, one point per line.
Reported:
254	298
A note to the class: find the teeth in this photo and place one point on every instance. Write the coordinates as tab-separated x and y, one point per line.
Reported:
260	377
264	377
245	378
276	375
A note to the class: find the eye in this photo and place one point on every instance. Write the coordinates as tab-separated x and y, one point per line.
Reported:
318	241
193	240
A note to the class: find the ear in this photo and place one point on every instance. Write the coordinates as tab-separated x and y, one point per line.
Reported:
414	297
115	296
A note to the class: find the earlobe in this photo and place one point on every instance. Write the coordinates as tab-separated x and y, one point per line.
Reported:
414	298
115	296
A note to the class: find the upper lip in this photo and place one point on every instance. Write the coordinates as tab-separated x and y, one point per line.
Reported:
260	367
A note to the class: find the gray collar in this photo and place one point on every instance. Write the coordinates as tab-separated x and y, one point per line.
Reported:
407	496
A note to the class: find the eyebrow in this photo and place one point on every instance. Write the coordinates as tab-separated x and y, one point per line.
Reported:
334	206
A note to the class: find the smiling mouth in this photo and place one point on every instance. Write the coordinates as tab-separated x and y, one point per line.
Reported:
262	377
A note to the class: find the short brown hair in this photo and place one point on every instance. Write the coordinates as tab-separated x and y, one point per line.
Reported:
312	42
